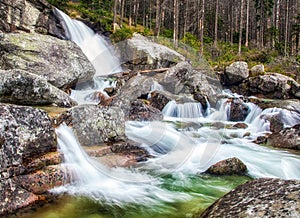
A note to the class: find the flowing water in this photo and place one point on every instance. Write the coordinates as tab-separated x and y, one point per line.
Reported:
99	52
172	183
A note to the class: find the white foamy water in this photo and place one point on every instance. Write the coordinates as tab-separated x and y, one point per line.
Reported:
92	179
97	50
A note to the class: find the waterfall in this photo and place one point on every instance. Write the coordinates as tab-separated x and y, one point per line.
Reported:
97	50
185	110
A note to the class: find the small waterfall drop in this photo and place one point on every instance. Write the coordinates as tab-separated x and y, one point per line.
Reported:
92	179
97	50
185	110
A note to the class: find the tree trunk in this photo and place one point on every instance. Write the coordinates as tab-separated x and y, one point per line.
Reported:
241	27
176	20
115	15
130	14
201	26
157	18
286	29
247	24
216	24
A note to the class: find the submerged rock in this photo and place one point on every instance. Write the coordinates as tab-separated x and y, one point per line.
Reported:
286	138
235	73
26	133
140	53
259	198
60	62
230	166
30	16
21	87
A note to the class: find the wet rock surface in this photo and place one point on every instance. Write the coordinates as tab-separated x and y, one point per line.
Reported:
238	110
24	88
60	62
286	138
259	198
140	111
230	166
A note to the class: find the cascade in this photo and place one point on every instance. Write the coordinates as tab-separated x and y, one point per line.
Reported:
185	143
97	50
92	179
185	110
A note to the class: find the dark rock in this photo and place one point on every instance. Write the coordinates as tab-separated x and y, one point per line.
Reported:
21	87
230	166
30	16
271	85
139	111
60	62
26	133
261	140
259	198
240	126
238	110
95	124
286	138
159	99
276	124
140	53
235	73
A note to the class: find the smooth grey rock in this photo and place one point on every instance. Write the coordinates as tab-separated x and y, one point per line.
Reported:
61	62
235	73
140	53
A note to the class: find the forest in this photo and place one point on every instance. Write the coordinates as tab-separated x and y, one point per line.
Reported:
254	30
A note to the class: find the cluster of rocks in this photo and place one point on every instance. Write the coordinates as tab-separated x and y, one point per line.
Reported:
266	85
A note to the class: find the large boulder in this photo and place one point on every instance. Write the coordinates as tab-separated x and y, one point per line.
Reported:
235	73
286	138
27	149
95	124
271	85
30	16
60	62
259	198
140	53
184	79
21	87
230	166
25	134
